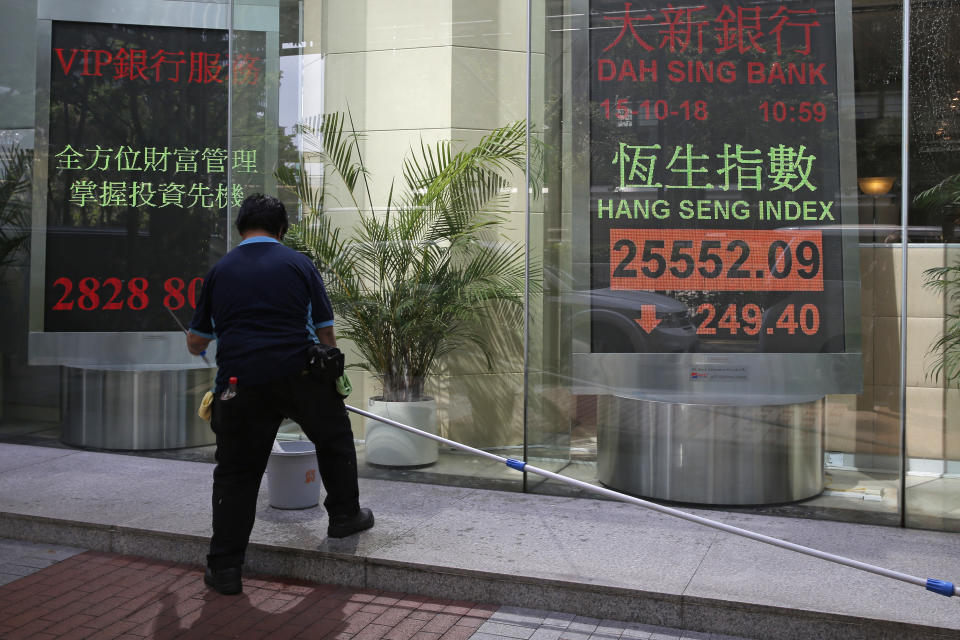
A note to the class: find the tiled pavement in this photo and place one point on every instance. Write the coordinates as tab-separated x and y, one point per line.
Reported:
72	594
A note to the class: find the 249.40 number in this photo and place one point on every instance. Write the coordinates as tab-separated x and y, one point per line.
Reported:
749	319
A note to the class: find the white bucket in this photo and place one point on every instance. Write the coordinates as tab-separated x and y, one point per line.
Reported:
293	481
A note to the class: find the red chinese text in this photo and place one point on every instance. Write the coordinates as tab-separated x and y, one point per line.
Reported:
194	67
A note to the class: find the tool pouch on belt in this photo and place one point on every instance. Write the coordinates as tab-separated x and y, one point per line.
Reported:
325	363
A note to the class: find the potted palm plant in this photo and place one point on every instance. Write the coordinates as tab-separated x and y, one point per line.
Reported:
419	278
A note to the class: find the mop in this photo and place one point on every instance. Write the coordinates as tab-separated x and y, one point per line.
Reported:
942	587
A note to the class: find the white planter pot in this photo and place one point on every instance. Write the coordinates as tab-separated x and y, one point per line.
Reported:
393	447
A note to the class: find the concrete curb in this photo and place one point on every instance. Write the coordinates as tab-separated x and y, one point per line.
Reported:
628	605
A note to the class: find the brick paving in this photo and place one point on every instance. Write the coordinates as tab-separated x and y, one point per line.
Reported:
101	596
66	592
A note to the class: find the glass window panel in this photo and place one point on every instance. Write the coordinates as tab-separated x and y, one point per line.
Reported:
933	489
765	370
29	396
412	82
100	98
686	359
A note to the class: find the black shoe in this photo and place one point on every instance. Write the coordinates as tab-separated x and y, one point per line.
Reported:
343	526
225	581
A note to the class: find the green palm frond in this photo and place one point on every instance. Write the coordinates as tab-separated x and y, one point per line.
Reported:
333	146
945	192
941	199
946	349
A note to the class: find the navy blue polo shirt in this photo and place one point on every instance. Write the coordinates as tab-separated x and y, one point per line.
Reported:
262	303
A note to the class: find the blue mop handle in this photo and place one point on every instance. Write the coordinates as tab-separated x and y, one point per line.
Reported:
942	587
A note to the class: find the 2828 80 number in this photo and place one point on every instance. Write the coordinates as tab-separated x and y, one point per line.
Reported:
113	294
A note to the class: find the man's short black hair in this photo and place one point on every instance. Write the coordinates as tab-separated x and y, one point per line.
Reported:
265	213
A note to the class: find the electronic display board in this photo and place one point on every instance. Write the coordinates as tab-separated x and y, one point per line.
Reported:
137	165
715	175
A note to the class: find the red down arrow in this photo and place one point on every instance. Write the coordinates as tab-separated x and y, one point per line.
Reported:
648	317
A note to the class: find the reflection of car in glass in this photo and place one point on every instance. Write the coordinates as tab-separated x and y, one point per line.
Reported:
639	322
624	321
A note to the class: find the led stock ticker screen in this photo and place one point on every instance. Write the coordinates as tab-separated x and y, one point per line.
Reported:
138	162
715	174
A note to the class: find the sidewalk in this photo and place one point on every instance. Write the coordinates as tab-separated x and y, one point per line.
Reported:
593	558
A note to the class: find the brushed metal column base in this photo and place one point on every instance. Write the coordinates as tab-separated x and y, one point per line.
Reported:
711	454
135	410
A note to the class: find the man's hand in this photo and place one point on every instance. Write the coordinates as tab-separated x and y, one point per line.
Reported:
196	344
325	336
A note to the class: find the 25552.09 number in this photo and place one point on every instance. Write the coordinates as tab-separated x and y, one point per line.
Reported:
114	294
716	260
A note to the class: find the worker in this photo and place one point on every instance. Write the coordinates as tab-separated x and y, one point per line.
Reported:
265	305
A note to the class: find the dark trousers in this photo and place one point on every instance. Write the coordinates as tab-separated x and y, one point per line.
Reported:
246	426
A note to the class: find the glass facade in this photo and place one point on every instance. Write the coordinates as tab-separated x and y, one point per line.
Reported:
722	236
